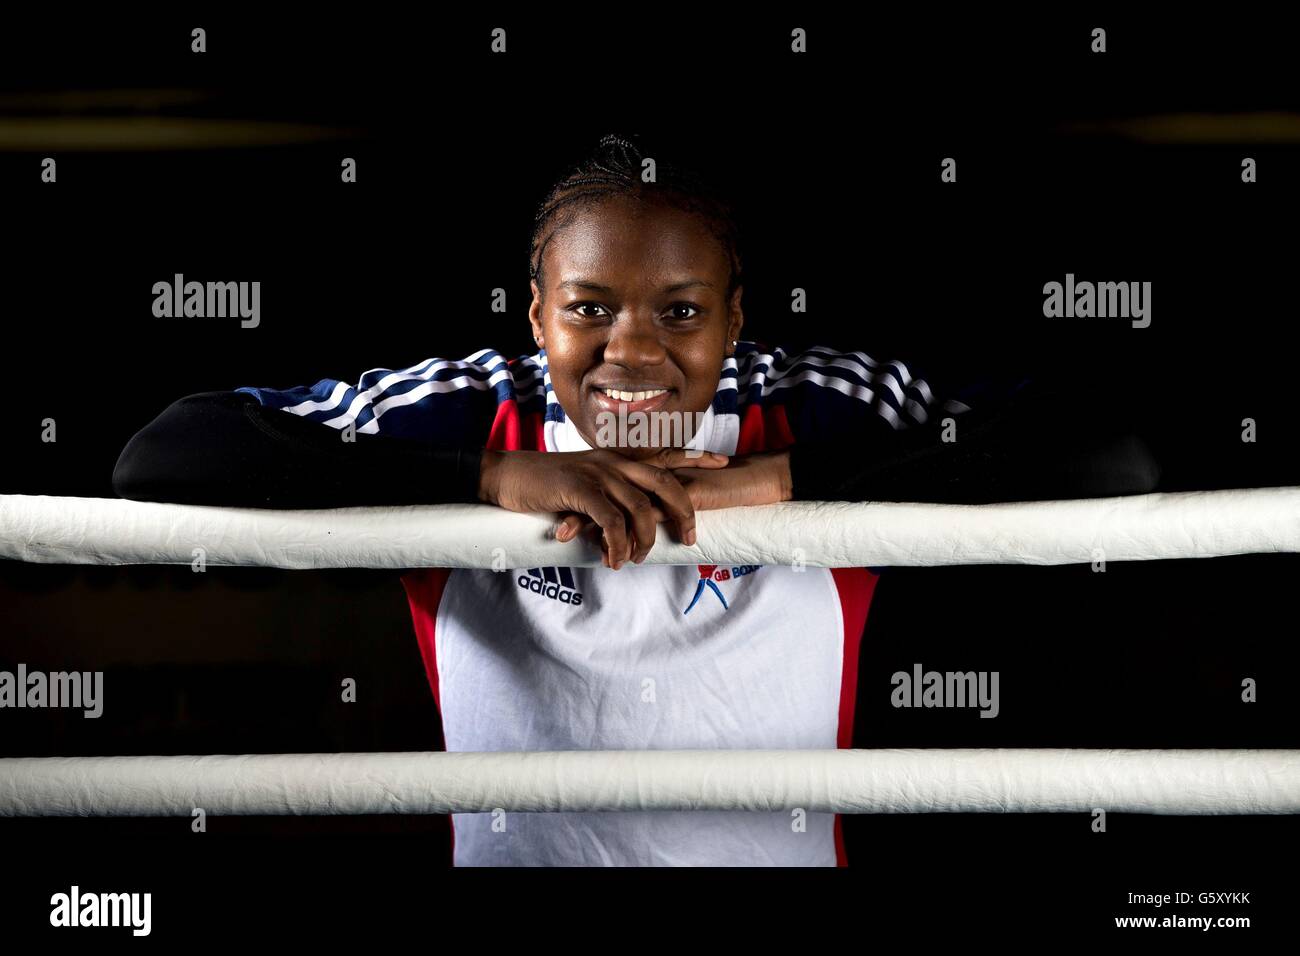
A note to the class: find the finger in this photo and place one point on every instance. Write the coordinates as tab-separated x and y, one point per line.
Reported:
640	511
659	518
671	498
585	524
612	521
689	458
571	525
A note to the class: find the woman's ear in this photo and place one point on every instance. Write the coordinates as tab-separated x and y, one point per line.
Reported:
735	320
535	315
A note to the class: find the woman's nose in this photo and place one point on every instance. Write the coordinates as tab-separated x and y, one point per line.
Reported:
634	344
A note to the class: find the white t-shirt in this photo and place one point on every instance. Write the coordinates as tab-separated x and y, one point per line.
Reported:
647	657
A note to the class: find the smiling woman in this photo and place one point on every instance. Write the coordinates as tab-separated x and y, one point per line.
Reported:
636	310
636	281
639	314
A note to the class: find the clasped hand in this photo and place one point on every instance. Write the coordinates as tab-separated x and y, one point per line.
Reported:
628	499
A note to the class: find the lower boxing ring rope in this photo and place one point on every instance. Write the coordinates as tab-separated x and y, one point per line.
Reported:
815	534
817	781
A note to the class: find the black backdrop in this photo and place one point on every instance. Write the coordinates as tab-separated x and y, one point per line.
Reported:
835	158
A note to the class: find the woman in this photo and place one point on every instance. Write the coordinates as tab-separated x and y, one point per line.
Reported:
637	316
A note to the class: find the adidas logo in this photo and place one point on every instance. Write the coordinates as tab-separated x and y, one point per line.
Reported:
554	583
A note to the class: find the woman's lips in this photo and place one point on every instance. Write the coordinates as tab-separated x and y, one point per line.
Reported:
607	404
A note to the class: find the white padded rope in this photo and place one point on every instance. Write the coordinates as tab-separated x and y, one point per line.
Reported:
1200	524
825	534
819	781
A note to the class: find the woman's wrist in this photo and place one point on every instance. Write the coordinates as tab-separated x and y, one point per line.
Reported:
781	468
489	476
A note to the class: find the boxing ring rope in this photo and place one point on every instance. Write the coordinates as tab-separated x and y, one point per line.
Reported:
1201	524
815	534
818	781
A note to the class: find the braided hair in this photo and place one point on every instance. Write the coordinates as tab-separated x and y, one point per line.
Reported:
614	169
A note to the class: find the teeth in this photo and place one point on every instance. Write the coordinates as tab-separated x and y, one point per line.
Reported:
632	396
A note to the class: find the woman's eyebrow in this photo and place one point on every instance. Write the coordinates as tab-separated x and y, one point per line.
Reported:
596	287
583	284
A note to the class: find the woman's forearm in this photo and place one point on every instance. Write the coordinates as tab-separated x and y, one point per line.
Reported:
1040	446
225	448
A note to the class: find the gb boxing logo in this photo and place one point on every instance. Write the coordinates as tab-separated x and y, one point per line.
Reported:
710	574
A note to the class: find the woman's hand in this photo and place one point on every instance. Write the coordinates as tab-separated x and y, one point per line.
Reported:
626	498
758	479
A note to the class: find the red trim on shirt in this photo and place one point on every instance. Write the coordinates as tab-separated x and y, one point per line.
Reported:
856	587
779	427
512	431
505	432
751	431
763	429
424	588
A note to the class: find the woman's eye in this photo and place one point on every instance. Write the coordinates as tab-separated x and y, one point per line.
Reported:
587	305
676	314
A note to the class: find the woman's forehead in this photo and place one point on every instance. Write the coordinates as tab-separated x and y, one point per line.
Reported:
610	237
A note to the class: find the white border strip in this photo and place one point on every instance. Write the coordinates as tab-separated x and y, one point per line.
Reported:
818	781
818	534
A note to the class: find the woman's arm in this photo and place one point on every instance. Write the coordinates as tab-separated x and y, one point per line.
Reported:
858	429
1038	445
226	448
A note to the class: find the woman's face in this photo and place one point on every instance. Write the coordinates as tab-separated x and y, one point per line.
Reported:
635	301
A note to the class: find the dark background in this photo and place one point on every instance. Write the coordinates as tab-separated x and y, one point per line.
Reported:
834	158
